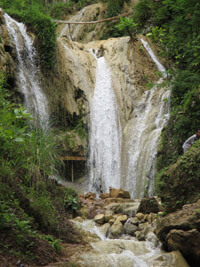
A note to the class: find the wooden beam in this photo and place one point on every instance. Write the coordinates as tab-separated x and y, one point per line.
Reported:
73	158
94	22
72	172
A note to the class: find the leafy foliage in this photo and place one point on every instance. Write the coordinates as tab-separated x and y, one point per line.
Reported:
129	26
143	11
174	25
58	10
114	7
32	14
179	183
30	202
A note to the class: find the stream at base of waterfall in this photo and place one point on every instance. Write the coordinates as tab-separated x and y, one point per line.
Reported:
119	236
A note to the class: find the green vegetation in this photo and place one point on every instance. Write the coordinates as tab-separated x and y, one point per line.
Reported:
180	44
129	26
178	184
114	7
39	23
31	205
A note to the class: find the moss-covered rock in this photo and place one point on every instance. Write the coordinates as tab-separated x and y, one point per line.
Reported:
180	231
179	183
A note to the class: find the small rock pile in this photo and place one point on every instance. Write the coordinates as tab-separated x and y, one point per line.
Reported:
116	213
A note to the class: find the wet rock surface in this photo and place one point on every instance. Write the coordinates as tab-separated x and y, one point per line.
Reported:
149	205
180	230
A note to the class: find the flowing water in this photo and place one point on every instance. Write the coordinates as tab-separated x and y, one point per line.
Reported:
135	172
105	133
27	71
150	116
71	30
124	252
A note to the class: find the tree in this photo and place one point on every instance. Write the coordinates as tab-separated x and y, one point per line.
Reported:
127	25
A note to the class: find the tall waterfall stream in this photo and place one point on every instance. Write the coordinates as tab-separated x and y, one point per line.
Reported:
27	71
150	116
105	133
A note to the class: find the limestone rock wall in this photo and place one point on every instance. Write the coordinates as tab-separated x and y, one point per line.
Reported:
7	64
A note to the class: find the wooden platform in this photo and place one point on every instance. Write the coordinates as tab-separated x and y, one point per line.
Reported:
73	158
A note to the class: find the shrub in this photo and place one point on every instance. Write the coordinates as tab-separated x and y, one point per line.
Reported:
114	7
58	10
179	183
127	25
143	11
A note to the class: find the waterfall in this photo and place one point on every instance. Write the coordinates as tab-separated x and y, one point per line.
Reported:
105	133
27	71
150	116
160	67
68	28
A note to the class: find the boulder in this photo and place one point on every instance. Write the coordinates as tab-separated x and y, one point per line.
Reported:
104	195
104	229
128	209
139	235
108	215
116	230
119	200
130	228
99	218
180	230
78	219
90	195
122	218
188	242
140	216
134	221
151	217
149	205
119	193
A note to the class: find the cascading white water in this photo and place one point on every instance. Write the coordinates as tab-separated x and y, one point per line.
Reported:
150	116
105	133
27	71
125	251
160	67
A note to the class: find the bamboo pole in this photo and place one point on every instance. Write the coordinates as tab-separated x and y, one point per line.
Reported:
73	158
94	22
72	172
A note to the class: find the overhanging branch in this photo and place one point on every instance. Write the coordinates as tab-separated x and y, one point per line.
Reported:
94	22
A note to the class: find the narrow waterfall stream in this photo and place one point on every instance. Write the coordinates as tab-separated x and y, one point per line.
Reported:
27	71
150	116
105	133
66	31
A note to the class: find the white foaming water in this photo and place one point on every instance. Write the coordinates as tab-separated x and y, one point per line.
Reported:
27	76
150	116
160	67
121	252
105	133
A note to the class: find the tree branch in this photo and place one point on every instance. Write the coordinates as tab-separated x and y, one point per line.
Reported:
94	22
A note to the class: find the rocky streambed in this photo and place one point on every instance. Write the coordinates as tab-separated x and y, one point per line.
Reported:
119	232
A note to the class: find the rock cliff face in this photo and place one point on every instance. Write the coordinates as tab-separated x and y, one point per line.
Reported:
71	86
7	64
